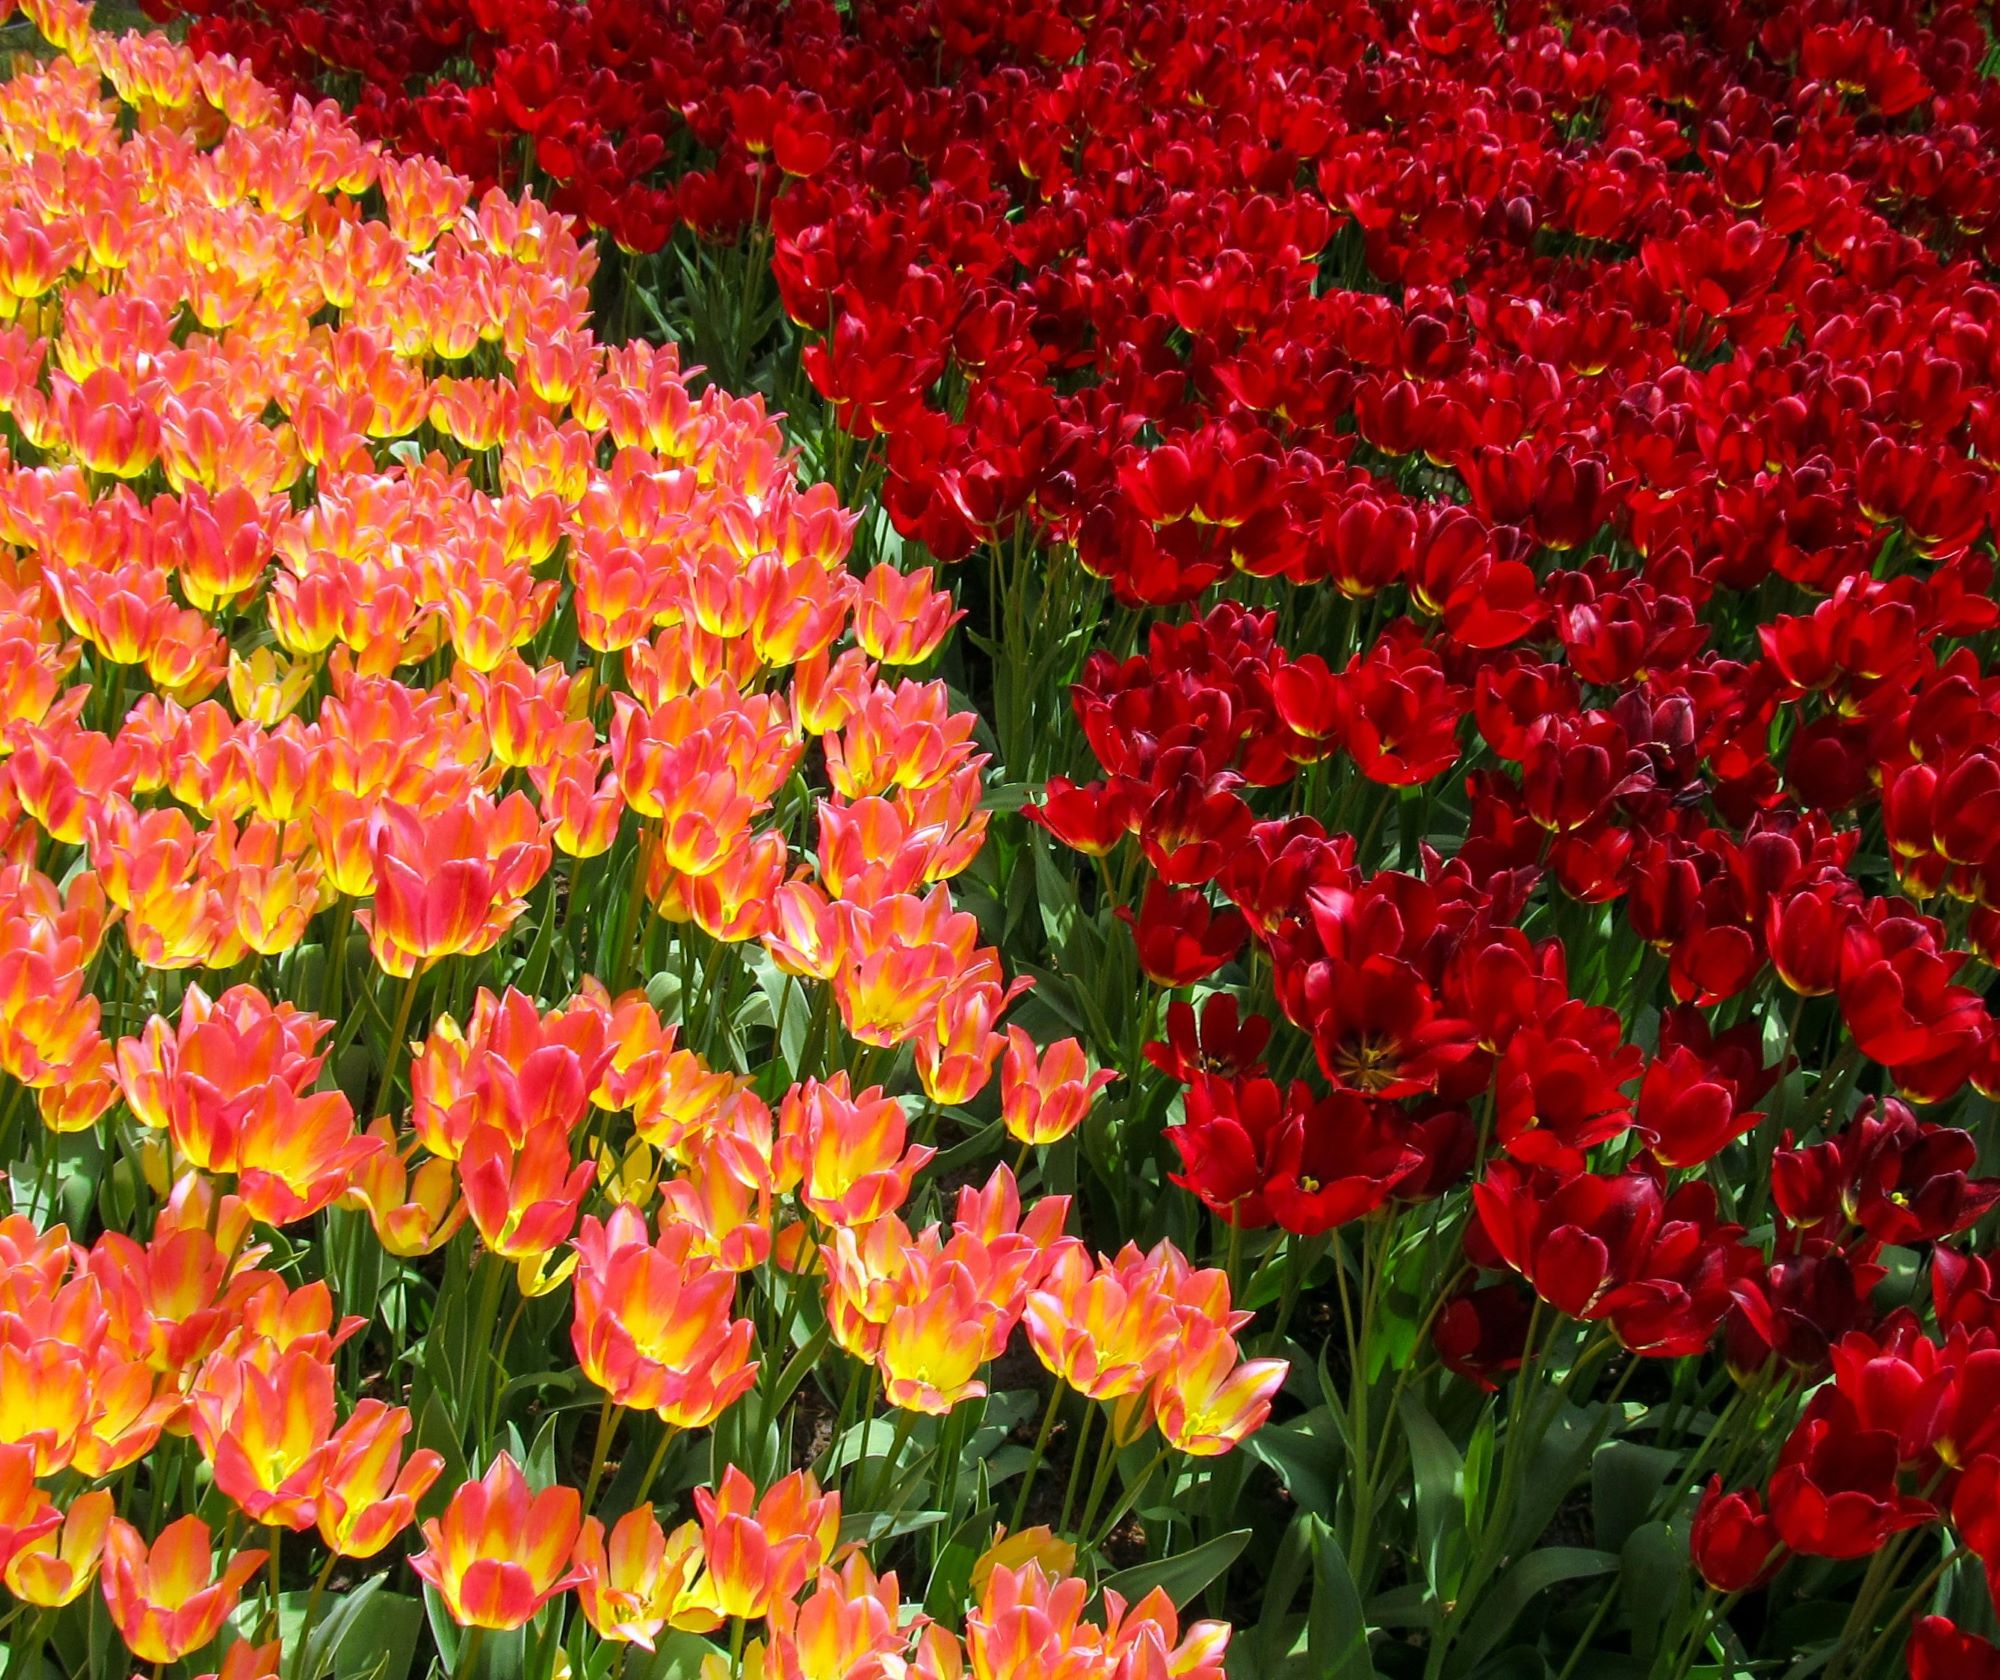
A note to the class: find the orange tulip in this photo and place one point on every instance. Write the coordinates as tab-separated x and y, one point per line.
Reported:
761	1552
244	1661
1044	1099
366	1499
1106	1330
899	618
26	1513
499	1552
850	1624
653	1326
167	1600
628	1586
54	1568
846	1152
510	1067
956	1049
450	884
524	1202
264	1432
414	1212
899	957
45	1399
1208	1398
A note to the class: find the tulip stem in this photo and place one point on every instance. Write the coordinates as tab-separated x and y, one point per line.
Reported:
312	1612
1131	1496
1100	1480
607	1424
886	1481
653	1465
1076	1466
499	1385
276	1586
621	952
397	1029
1035	1462
469	1653
1908	1608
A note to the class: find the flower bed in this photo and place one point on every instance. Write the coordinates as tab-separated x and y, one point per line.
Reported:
394	673
1508	499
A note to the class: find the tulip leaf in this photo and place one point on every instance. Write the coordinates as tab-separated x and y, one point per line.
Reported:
60	1188
1561	1453
1652	1575
1305	1456
367	1633
874	1526
1336	1631
1625	1480
444	1631
1438	1475
951	1579
1523	1582
676	1656
1265	1648
1009	796
1183	1575
798	1368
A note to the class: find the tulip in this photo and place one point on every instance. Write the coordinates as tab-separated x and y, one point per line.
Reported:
760	1552
628	1587
450	885
846	1151
523	1202
366	1499
54	1569
1044	1099
653	1326
265	1433
1735	1544
167	1599
1941	1651
500	1552
26	1514
1208	1398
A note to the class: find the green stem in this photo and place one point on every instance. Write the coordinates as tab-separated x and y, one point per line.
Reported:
312	1612
1133	1492
1107	1456
1035	1461
397	1029
607	1425
1076	1466
653	1464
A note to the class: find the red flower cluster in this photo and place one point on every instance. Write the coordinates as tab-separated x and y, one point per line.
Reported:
1100	274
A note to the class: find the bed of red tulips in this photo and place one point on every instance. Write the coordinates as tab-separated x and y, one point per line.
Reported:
1477	719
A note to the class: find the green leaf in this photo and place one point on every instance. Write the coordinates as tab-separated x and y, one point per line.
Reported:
367	1634
1525	1581
1336	1631
1561	1454
1273	1635
1625	1480
1306	1457
676	1656
799	1367
1438	1474
1183	1575
444	1631
1652	1579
